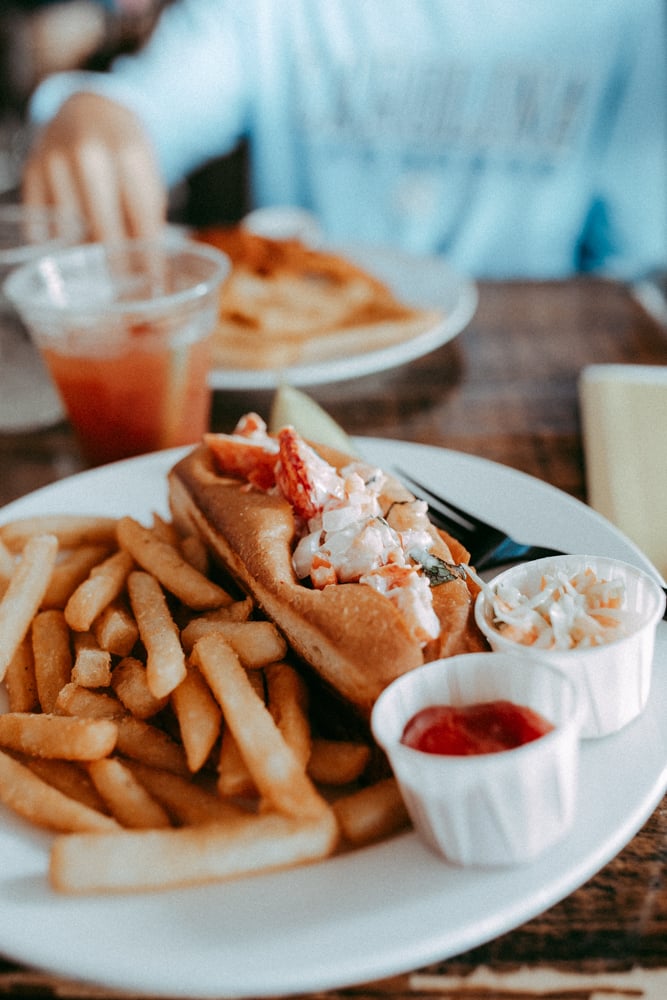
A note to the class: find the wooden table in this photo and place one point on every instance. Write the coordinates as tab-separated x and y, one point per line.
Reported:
506	390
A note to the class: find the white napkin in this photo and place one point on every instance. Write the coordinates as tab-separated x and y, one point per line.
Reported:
624	426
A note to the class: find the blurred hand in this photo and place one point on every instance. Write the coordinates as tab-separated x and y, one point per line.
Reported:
95	159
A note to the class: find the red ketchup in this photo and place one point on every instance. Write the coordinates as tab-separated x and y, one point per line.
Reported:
487	727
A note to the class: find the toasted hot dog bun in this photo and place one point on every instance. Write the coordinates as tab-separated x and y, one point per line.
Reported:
352	636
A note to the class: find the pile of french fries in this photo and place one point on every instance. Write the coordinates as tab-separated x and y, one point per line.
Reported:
155	721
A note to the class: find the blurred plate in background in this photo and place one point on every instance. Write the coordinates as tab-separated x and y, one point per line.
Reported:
419	281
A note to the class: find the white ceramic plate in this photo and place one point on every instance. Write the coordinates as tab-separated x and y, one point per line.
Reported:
372	913
419	281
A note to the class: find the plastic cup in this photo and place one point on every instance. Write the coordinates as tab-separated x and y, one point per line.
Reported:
124	330
28	398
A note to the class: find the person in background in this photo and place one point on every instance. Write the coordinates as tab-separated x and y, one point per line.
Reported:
519	139
41	37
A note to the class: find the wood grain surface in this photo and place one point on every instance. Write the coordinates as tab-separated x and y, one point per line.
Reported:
505	389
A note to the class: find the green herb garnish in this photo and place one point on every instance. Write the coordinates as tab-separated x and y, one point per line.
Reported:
436	570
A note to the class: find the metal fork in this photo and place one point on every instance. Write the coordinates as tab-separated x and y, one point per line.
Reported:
489	547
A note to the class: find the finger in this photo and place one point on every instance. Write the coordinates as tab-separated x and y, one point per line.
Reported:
62	185
98	185
142	192
34	188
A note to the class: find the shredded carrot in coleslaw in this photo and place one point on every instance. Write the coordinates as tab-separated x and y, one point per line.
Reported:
568	611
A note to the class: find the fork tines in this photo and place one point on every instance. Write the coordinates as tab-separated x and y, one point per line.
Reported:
446	514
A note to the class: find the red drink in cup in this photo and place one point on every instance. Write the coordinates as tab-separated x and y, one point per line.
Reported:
125	332
145	397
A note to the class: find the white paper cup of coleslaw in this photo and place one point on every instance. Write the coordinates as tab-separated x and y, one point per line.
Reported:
614	677
486	809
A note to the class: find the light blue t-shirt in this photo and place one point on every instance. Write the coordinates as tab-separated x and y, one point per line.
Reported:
521	138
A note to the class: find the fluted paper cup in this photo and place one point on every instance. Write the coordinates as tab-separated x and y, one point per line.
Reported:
615	678
492	809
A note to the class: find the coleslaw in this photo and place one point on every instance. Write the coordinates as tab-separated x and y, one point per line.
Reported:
568	611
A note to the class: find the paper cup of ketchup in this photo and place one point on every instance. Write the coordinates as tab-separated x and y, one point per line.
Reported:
485	748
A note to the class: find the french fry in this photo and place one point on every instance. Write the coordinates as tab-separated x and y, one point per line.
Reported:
165	658
71	530
129	682
167	565
103	585
188	803
115	629
279	778
52	656
20	680
256	643
165	530
146	743
337	762
24	594
238	611
210	621
128	800
65	737
371	813
288	704
182	520
86	704
70	778
92	665
195	552
234	778
46	806
136	860
82	756
199	717
70	571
